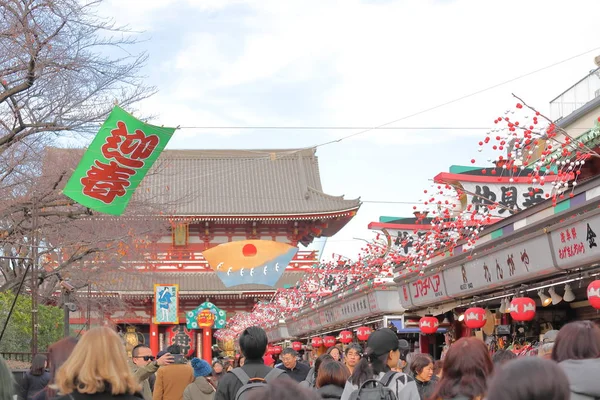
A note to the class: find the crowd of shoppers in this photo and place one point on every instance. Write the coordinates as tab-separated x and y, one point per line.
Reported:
96	368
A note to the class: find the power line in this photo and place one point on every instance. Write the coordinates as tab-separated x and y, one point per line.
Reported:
439	128
331	128
458	99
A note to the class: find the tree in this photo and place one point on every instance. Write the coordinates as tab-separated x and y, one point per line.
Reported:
17	337
62	67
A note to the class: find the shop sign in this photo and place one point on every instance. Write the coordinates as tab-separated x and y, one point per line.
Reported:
403	241
313	321
428	289
372	298
327	316
510	196
528	259
354	309
274	335
405	299
577	244
294	327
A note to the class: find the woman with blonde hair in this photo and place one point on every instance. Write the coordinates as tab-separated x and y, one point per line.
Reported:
98	369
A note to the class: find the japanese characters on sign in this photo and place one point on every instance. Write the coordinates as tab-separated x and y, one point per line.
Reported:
116	162
183	337
509	196
405	298
512	264
428	289
404	241
577	243
166	304
206	315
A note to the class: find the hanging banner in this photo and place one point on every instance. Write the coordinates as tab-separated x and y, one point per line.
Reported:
206	315
183	337
116	162
250	261
166	304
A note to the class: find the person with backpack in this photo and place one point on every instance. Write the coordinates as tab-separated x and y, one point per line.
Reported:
373	377
240	382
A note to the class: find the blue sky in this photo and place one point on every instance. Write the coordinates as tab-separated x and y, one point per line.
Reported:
355	63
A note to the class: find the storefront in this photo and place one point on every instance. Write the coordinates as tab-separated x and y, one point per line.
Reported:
533	253
364	305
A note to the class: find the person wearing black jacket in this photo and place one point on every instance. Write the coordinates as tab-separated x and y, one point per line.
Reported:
36	378
295	370
253	344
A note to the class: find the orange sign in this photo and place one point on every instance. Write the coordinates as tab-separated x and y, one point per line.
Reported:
206	319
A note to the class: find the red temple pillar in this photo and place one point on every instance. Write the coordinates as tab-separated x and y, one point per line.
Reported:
154	338
207	345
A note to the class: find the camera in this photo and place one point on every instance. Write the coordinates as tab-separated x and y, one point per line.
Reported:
67	286
71	307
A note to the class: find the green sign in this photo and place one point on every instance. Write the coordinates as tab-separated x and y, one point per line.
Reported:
219	316
116	162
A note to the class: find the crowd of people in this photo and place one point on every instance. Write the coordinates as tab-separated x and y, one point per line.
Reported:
97	368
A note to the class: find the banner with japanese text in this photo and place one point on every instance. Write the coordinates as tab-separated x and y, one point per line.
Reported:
115	163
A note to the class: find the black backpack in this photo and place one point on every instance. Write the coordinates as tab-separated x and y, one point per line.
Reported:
374	389
253	383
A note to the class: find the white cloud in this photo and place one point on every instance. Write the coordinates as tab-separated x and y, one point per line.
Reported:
353	63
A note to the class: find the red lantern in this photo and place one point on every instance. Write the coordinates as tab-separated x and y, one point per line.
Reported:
593	294
475	317
297	346
316	342
277	349
522	309
329	341
429	325
363	333
345	337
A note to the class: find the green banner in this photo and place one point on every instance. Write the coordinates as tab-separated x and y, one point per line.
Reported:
116	162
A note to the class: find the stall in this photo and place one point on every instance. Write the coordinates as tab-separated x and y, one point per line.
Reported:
533	253
362	305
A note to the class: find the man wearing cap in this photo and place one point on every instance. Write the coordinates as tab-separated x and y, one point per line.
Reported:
381	355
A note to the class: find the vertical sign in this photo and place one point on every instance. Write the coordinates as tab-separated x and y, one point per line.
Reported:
166	304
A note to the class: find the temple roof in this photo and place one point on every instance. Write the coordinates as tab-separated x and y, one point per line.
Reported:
242	182
206	282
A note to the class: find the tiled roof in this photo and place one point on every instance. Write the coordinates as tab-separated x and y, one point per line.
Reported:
241	182
188	282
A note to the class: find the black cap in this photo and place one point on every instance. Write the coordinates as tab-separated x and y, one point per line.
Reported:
382	341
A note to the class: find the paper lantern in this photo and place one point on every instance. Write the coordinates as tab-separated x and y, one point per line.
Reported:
297	346
593	294
329	341
429	325
277	350
475	317
522	309
346	337
363	333
316	342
